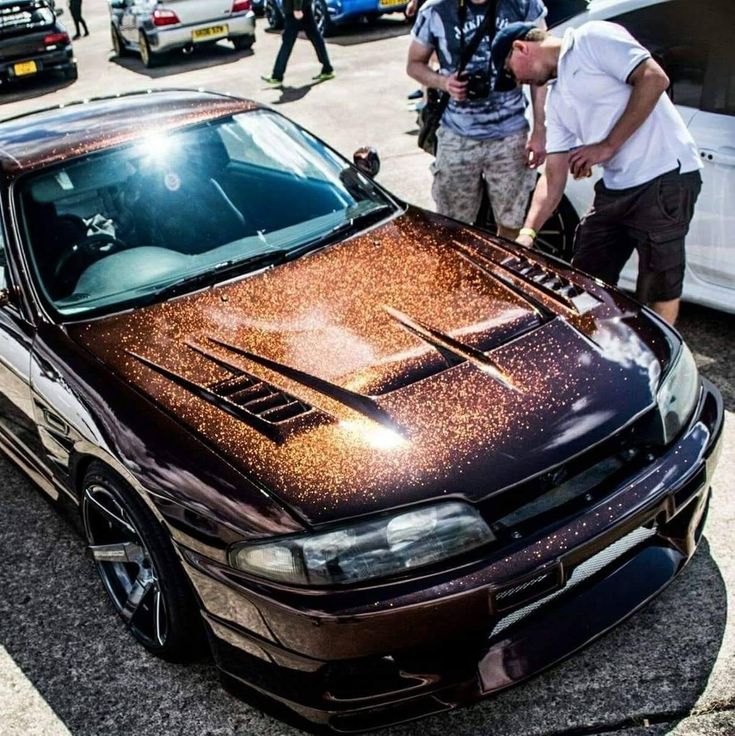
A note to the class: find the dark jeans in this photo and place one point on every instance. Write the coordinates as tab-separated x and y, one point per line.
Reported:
290	31
75	7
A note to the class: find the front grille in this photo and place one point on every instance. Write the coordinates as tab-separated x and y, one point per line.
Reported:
582	572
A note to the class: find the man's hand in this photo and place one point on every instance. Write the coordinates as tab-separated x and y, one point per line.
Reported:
411	8
584	158
536	149
456	88
525	240
298	14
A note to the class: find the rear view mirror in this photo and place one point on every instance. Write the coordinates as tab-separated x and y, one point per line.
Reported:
367	160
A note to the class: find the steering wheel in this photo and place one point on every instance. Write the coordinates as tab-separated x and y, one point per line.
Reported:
86	251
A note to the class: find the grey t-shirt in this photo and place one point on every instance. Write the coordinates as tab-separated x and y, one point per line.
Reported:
438	27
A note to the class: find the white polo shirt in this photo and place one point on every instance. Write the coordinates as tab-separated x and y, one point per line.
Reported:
589	96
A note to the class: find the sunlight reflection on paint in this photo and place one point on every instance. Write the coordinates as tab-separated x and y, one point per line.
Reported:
381	438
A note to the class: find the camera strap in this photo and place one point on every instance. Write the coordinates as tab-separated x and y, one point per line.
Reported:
467	52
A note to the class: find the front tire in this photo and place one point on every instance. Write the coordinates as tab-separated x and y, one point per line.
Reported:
322	18
139	568
118	46
273	15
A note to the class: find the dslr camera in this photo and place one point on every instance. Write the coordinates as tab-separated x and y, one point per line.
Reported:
478	85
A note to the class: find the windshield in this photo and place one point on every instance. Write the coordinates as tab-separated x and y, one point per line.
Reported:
24	16
129	225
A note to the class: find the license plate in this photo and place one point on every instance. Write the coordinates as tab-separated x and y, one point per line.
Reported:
207	34
391	3
25	67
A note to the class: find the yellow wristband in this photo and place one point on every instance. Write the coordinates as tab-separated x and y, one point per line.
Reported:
528	231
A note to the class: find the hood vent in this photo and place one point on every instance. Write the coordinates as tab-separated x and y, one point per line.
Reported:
571	294
267	408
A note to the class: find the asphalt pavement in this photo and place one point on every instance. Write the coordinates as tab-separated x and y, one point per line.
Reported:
68	667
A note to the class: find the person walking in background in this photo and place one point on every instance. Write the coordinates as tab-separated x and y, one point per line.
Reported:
607	105
298	15
483	139
75	8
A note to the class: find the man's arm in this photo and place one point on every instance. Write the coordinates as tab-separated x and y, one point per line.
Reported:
649	82
418	68
536	146
546	196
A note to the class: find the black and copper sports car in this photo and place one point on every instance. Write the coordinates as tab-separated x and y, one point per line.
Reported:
382	463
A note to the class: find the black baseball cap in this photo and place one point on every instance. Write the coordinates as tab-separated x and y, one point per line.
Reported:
502	44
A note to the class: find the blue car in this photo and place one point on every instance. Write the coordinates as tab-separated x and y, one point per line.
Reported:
330	13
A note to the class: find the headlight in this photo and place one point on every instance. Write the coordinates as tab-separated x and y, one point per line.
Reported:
372	549
678	394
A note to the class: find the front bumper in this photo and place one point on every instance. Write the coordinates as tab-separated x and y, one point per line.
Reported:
171	38
353	660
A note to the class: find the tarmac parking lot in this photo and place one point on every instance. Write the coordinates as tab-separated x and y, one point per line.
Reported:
68	667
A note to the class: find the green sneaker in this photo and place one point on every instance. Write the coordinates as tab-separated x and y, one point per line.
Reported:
273	81
324	76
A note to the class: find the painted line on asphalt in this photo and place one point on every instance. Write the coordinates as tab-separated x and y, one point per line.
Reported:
23	712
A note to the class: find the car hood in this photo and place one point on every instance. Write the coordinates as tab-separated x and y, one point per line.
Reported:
419	360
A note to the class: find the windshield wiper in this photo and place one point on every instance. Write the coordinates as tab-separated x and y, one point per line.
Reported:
351	226
212	275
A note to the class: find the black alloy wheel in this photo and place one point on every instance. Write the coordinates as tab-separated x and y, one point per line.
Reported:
273	15
322	18
556	237
139	568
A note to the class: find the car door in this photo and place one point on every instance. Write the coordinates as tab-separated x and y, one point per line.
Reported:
710	244
131	18
19	435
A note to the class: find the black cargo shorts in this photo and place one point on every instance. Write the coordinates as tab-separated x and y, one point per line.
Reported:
652	218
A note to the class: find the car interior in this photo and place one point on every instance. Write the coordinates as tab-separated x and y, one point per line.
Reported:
125	218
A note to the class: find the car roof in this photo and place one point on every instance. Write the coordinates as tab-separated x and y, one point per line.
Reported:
49	136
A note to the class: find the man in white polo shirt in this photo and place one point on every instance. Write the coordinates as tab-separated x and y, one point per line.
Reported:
606	105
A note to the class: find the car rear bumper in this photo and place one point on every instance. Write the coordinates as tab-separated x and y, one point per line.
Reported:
164	39
342	10
60	59
363	665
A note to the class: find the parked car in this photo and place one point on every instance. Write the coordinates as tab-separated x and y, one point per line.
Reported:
329	14
33	41
692	42
154	29
388	462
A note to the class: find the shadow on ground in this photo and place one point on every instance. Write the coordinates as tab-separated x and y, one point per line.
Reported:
179	63
58	626
32	87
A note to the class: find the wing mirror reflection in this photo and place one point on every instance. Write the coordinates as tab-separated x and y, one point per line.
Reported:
367	160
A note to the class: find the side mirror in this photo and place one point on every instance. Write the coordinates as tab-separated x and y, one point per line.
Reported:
58	12
367	160
117	4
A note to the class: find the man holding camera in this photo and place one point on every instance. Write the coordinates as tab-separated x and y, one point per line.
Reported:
483	138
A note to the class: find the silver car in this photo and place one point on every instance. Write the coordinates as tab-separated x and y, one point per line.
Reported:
154	28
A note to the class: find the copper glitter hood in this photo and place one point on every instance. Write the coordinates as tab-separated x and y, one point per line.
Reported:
389	369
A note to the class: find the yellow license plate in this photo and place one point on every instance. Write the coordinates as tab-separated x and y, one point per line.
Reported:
391	3
25	67
207	34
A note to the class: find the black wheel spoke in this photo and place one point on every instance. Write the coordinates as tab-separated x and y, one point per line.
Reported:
137	594
111	516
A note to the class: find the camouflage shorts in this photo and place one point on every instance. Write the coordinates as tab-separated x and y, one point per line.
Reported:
462	163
